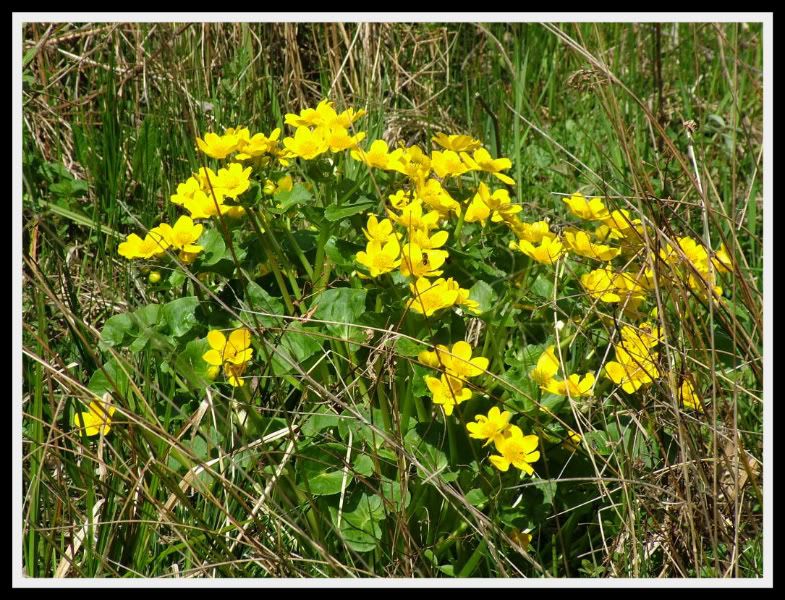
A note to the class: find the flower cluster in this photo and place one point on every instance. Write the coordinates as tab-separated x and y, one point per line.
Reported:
182	237
233	354
512	446
457	365
320	129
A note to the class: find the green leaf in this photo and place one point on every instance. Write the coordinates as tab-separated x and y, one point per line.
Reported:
321	466
286	199
111	379
336	213
116	329
214	247
476	497
190	365
484	294
342	253
297	344
548	489
180	315
343	305
407	347
391	490
360	527
257	299
363	465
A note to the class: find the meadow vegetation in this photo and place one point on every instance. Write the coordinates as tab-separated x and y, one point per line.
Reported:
392	300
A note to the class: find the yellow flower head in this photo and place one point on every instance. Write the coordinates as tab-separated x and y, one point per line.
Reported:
380	258
457	143
517	450
456	362
600	284
447	392
722	261
186	191
284	184
583	208
547	252
447	164
429	297
183	235
418	263
98	417
434	195
378	155
633	368
574	386
221	146
546	368
258	145
233	180
153	244
572	442
412	162
688	397
412	217
579	243
233	351
490	427
307	143
338	139
531	232
400	199
426	241
481	160
381	231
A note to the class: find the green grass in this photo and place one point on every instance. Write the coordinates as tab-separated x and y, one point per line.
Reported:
108	138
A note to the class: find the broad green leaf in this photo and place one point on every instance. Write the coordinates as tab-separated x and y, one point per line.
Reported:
180	315
360	527
287	199
484	294
258	300
336	213
342	305
191	367
116	329
296	345
322	467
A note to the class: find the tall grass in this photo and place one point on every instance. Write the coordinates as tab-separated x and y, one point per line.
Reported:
665	119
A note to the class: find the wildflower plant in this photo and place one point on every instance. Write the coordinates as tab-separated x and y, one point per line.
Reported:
422	321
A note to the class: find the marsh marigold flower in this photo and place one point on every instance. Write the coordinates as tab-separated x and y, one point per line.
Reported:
490	427
380	258
430	297
447	392
517	450
481	160
456	143
588	209
233	353
547	252
98	417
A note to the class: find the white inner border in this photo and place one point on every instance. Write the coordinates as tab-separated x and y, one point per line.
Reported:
19	579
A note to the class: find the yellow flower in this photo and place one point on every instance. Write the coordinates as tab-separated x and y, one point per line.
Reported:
186	191
481	161
416	263
307	143
380	258
722	261
347	117
456	362
572	442
153	244
221	146
412	217
546	368
412	162
338	139
547	252
203	206
490	427
457	143
517	450
574	386
497	205
400	199
323	115
98	417
426	241
531	232
284	184
429	297
589	209
381	231
378	155
619	220
233	353
183	235
689	397
258	145
522	538
580	243
154	277
600	284
447	392
232	180
434	195
634	367
643	336
447	164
